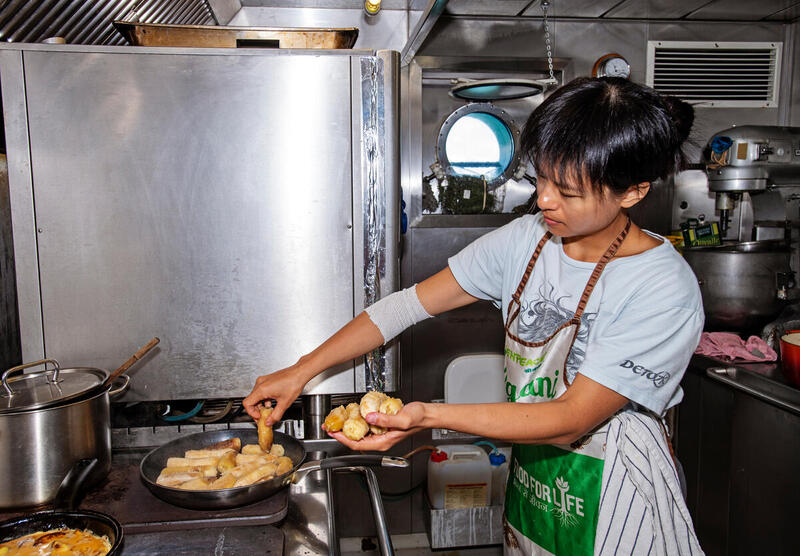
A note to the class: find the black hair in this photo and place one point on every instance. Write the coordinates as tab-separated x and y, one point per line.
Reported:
609	132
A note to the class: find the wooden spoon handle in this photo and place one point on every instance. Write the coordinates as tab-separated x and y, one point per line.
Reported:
133	359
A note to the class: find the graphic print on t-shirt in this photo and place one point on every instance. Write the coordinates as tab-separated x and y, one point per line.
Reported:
541	315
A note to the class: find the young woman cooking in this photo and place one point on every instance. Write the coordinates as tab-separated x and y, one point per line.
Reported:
601	318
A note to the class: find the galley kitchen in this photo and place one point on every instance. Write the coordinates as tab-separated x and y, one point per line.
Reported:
415	276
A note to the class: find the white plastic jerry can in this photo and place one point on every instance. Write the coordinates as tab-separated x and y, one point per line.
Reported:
459	476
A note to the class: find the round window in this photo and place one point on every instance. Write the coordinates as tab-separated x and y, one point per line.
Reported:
479	140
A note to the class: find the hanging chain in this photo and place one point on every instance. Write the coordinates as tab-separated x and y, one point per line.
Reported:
547	44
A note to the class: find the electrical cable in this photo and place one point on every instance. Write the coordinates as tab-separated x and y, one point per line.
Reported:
214	417
184	416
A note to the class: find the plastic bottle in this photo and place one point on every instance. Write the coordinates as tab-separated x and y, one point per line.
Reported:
459	476
499	462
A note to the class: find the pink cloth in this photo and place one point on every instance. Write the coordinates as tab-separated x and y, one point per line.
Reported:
730	346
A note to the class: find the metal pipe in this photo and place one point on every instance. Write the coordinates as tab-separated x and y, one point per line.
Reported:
384	541
315	409
333	536
382	529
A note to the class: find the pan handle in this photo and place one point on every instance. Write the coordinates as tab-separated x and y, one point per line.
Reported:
359	460
362	460
70	488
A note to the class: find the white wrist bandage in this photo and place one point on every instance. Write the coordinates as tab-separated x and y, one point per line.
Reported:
396	312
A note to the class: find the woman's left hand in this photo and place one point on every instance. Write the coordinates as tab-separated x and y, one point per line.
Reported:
410	420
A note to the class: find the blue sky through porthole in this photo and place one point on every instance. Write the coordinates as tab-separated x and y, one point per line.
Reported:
479	144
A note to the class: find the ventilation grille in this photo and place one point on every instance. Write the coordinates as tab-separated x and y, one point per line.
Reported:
89	21
716	74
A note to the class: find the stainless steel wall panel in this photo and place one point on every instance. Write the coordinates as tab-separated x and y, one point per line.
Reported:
386	31
21	198
481	7
190	188
748	11
790	14
573	8
794	102
656	9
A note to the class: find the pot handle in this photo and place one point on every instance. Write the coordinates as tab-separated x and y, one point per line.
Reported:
119	390
70	488
13	370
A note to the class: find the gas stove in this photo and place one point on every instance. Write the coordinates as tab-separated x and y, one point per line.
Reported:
293	521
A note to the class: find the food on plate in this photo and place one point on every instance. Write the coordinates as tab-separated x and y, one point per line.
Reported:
264	431
75	542
233	465
351	419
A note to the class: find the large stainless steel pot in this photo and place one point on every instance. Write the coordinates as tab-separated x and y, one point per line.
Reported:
744	285
48	421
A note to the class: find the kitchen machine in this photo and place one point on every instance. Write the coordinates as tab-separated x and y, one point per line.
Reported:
754	174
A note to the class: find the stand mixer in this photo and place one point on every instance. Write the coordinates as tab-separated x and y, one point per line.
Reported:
750	159
749	280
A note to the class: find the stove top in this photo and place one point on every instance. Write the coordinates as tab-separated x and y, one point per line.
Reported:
124	496
152	526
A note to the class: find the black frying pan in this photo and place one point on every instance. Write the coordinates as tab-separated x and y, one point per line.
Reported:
64	514
156	460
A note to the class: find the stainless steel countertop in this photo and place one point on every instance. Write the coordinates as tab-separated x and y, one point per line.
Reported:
764	381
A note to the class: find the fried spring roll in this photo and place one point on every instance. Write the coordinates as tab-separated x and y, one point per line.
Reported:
284	465
244	459
193	462
175	479
264	431
205	470
195	484
276	450
230	444
263	472
225	481
252	449
207	453
226	462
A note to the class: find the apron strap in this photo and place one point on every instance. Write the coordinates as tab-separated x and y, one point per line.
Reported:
525	278
598	269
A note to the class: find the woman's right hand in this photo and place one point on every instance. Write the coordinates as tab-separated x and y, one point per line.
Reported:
283	386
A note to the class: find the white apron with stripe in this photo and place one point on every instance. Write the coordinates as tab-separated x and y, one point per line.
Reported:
553	492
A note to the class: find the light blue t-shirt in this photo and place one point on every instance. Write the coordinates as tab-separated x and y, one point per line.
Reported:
640	327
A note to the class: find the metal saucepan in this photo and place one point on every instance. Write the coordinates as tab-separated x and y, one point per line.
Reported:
156	460
50	419
64	514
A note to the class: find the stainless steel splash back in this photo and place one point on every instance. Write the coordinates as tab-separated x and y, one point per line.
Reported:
213	199
89	21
